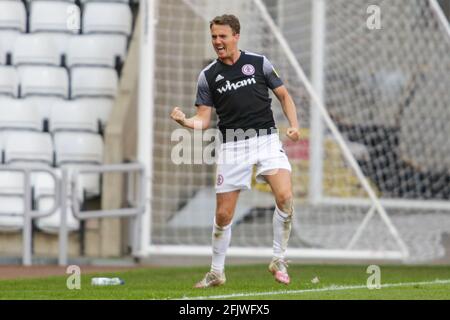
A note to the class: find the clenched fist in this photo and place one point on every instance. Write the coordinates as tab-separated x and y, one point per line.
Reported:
293	134
178	115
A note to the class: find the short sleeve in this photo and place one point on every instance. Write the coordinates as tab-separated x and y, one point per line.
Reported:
203	93
273	80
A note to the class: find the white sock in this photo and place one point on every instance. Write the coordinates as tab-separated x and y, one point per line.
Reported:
221	237
282	223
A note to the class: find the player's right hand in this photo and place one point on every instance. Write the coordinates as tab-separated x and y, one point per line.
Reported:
178	115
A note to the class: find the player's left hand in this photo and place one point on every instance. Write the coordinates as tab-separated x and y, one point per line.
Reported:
293	134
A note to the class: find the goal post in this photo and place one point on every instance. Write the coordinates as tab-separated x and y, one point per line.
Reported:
370	175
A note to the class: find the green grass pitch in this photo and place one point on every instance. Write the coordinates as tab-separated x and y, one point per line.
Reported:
252	282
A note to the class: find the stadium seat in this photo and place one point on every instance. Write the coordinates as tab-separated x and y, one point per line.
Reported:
78	147
11	199
101	107
43	105
9	81
60	40
43	80
19	114
101	17
35	49
70	115
74	150
11	205
93	81
51	224
96	50
44	190
7	40
28	147
122	1
54	16
13	15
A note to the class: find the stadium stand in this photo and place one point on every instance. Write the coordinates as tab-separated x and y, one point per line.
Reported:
58	85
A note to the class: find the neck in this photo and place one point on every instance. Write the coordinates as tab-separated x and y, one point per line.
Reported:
232	60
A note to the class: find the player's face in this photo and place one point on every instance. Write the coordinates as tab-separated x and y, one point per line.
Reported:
224	41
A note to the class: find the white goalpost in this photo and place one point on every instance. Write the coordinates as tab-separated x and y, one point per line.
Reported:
371	174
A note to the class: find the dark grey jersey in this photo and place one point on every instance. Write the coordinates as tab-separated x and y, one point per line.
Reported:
239	92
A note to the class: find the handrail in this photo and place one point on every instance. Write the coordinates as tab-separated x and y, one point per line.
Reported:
29	213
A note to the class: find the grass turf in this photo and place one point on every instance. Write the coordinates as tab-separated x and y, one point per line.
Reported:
176	283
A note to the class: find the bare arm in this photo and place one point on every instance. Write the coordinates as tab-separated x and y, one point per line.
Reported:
201	120
289	111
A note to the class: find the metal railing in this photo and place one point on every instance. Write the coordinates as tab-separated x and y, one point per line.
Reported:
28	213
62	194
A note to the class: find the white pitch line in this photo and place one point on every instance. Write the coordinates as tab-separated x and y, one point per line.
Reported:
330	288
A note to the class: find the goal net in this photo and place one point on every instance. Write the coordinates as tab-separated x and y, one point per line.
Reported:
371	174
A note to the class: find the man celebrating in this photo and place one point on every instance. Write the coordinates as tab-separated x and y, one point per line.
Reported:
236	84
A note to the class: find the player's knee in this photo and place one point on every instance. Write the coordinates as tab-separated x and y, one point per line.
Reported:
285	202
223	217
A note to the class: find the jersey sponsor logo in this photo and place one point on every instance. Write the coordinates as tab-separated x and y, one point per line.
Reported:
248	70
234	86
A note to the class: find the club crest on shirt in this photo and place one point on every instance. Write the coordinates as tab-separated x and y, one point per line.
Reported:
248	70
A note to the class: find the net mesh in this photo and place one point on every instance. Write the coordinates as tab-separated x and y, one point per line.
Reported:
385	89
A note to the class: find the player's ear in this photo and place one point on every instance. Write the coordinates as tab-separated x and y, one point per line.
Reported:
237	36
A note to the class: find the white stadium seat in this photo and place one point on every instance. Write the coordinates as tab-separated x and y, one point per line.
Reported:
9	81
42	80
13	15
96	49
94	81
101	17
12	201
101	107
43	105
51	223
73	150
35	49
11	183
11	205
54	16
19	114
60	40
70	115
122	1
7	40
78	147
22	146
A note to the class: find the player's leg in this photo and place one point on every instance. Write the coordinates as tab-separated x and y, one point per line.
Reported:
221	236
280	182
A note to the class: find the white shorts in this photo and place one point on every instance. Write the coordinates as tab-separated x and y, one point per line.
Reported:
235	162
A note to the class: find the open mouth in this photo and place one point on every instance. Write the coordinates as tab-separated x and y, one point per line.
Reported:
220	49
